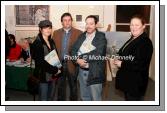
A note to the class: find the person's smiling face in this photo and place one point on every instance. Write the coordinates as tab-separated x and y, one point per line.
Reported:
136	27
90	25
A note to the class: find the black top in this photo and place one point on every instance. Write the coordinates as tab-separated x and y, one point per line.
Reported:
7	44
133	75
25	54
40	49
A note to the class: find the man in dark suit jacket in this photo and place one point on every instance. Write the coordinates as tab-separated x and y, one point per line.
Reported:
26	51
91	65
64	38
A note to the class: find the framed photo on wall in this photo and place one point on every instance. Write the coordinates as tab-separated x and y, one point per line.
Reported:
31	15
80	12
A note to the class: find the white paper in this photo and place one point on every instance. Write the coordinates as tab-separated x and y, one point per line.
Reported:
86	48
17	63
52	59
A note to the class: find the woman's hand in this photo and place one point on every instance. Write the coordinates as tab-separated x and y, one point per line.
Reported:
28	60
118	63
58	72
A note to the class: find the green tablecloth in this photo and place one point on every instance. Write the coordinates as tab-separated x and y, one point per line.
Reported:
16	77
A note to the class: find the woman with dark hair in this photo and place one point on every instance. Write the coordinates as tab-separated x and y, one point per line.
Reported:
7	49
43	70
15	49
7	44
132	76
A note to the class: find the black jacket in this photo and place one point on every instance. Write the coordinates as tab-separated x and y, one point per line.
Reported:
40	49
7	44
96	67
132	77
24	55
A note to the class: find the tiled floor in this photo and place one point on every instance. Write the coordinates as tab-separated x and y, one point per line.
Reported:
109	93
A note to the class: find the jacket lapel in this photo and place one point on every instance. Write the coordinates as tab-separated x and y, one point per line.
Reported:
59	41
81	40
94	39
71	39
131	45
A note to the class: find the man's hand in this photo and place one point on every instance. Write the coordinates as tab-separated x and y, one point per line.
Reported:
82	63
21	59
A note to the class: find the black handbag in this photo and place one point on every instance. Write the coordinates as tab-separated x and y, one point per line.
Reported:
33	82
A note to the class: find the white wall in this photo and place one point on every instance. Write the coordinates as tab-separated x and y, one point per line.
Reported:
10	19
109	17
152	37
55	14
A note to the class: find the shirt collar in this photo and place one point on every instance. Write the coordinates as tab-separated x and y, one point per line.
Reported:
90	36
67	30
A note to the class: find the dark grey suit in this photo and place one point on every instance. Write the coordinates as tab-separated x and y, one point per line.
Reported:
96	67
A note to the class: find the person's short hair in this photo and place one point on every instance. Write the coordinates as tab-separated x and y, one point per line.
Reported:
11	36
22	40
94	17
66	14
140	17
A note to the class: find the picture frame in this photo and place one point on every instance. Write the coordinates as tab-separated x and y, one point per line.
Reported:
80	12
30	15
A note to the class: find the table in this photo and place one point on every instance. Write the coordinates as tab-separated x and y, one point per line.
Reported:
16	77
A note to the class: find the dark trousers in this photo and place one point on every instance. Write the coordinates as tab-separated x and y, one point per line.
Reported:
72	82
129	97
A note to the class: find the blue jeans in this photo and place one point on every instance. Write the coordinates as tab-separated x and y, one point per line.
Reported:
91	92
47	91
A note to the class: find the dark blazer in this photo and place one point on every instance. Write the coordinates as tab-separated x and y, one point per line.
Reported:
132	77
24	55
58	36
7	44
40	49
96	67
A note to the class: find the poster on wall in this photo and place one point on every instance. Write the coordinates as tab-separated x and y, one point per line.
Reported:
27	15
115	40
80	12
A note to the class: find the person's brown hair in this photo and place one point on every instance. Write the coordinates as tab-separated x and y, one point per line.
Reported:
94	17
66	14
140	17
